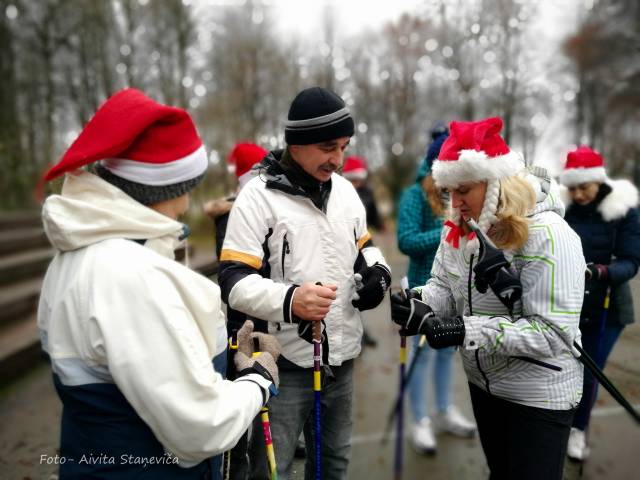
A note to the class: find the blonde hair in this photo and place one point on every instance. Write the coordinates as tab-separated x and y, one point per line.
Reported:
434	195
517	199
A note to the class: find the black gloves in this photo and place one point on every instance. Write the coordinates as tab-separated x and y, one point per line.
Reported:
371	285
597	272
416	317
409	312
442	333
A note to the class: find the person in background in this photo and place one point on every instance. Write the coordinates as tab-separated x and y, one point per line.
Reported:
355	170
242	158
524	379
297	251
604	214
420	213
130	332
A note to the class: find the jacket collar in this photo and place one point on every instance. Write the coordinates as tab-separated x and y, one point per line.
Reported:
288	177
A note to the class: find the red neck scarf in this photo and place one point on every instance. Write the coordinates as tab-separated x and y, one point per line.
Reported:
455	233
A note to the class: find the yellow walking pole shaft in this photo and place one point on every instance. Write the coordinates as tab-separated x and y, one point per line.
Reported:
266	429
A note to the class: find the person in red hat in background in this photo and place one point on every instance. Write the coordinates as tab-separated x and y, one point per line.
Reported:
242	158
356	171
130	332
604	213
524	380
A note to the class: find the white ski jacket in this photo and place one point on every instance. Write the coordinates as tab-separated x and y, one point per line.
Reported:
527	359
116	316
279	240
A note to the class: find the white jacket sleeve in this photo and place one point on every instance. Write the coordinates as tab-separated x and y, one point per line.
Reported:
437	292
247	231
159	359
552	276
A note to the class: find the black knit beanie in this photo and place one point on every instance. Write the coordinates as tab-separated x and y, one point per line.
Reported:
147	194
317	115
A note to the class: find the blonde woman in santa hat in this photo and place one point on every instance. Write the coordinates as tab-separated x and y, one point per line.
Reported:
524	380
603	212
130	332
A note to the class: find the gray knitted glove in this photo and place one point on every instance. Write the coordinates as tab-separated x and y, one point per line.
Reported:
245	359
262	363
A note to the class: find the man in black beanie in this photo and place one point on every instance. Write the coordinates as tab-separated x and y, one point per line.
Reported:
298	251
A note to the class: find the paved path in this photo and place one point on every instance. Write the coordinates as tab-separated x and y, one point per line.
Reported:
30	413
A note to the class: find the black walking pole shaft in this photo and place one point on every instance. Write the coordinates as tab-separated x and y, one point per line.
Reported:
588	362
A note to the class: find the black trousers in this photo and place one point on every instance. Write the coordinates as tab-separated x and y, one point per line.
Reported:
520	442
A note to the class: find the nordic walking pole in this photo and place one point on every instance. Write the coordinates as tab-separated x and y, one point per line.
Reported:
407	378
226	457
397	464
317	388
397	467
599	374
266	426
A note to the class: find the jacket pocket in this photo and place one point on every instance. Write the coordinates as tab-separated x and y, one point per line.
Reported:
539	363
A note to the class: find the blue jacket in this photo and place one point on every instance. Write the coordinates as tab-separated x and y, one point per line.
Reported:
609	229
418	230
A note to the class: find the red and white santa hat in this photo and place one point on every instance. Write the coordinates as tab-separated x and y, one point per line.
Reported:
355	168
475	152
243	157
138	139
583	165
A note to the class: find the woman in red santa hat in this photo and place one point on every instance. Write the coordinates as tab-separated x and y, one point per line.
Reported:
524	380
130	332
604	214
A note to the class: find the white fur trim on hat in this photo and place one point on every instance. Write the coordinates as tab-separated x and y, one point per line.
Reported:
576	176
475	166
357	174
159	174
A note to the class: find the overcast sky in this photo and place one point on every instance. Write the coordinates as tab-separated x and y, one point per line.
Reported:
555	20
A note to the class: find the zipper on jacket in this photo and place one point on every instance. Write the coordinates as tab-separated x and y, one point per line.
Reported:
484	375
540	363
285	251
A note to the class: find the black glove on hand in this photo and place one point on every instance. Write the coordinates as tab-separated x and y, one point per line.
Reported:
371	285
305	330
409	312
442	333
597	272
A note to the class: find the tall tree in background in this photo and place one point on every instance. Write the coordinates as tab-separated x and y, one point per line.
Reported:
605	52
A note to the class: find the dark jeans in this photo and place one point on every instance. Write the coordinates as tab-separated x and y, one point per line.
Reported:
520	442
598	344
292	412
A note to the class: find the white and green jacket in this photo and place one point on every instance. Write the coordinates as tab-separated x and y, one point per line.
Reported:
526	358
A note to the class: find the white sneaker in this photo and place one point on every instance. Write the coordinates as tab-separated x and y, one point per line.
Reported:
577	447
452	421
422	437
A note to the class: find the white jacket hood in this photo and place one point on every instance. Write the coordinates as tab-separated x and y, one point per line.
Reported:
90	210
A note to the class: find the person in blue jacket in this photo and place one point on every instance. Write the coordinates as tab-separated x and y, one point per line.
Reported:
603	212
419	227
